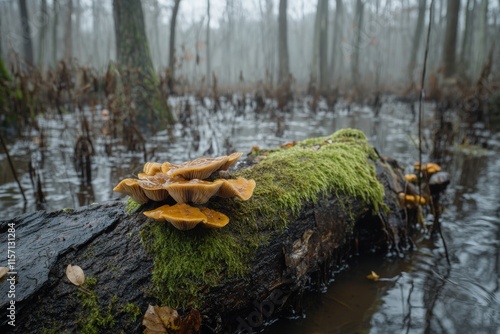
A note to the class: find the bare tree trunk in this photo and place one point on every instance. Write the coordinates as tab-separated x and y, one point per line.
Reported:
416	40
156	31
43	21
134	58
68	48
450	40
26	31
54	32
323	47
95	33
77	33
336	33
357	48
313	81
171	49
284	68
480	58
466	38
208	75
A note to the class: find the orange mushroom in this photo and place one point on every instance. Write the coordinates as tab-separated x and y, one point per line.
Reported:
196	191
154	187
182	216
240	187
215	219
131	187
231	160
200	168
429	168
411	200
412	178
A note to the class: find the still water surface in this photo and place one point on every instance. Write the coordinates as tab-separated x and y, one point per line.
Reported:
417	293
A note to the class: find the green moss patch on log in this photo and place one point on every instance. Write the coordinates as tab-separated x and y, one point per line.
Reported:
185	262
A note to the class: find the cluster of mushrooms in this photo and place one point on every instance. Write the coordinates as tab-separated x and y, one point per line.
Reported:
432	175
187	183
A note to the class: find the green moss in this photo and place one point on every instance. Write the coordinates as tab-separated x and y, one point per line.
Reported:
94	318
185	262
133	310
131	206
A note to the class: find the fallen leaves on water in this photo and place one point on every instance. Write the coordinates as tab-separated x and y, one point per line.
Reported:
373	276
166	320
3	271
75	275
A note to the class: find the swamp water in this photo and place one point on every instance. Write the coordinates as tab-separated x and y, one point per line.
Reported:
417	293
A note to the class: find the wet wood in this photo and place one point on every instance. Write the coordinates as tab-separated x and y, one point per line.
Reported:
105	242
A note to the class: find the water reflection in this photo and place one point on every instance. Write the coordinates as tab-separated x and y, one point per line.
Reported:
418	293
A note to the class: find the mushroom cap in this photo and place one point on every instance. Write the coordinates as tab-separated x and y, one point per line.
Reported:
429	168
131	187
154	186
181	215
215	219
231	160
410	178
196	191
166	166
200	168
151	168
411	200
240	187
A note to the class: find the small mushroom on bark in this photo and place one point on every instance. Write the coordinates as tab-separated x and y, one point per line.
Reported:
240	187
154	187
428	168
196	191
215	219
200	168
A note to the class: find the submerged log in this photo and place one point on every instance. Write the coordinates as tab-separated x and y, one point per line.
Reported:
289	236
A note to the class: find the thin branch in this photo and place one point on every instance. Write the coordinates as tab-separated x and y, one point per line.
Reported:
13	169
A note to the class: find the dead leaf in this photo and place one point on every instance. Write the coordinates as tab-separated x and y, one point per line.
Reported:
3	271
373	276
191	323
75	275
166	320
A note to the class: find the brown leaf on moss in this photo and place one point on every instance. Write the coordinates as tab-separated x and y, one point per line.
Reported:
166	320
191	323
3	271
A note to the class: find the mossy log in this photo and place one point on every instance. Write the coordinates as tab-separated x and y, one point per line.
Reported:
308	215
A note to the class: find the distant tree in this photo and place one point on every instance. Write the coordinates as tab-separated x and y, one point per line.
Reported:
357	46
42	32
55	31
481	41
171	47
134	60
450	39
337	29
26	31
318	62
284	68
323	47
209	65
68	46
466	38
416	39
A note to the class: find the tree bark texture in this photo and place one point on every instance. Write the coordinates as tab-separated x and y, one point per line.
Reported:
106	242
450	39
284	68
26	31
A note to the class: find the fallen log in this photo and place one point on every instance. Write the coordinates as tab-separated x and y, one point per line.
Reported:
316	204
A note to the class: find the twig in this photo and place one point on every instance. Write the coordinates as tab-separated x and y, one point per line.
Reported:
13	169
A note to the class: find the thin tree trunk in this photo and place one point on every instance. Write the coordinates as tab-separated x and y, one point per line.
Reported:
156	32
359	27
313	81
450	40
466	37
208	75
171	49
26	31
77	34
54	33
284	68
416	39
95	33
43	21
336	33
68	48
481	40
323	47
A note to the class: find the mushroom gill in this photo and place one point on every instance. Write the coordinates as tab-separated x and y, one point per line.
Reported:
196	191
154	187
182	216
131	187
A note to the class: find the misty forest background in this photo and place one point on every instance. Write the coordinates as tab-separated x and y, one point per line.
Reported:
101	53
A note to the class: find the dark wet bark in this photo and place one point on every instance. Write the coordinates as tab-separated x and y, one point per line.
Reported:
105	242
